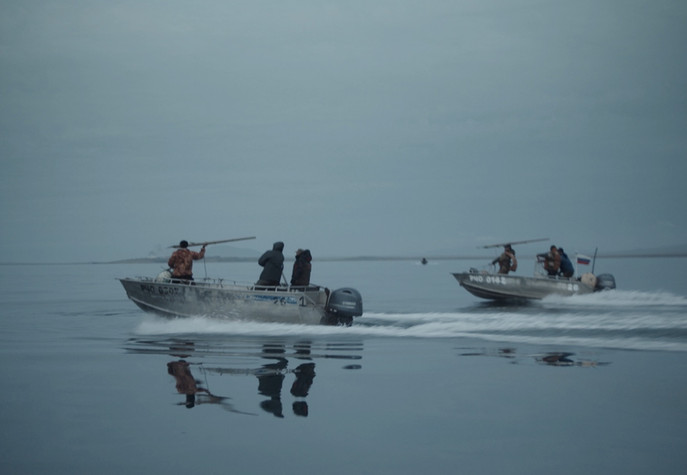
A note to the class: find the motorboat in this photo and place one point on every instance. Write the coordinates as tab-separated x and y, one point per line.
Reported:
312	304
504	286
489	285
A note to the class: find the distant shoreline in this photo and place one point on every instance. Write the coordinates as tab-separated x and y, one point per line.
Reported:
163	260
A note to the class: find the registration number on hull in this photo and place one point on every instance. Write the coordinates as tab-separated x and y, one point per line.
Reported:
488	279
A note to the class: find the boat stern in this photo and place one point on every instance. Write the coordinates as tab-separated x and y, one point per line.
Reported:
342	306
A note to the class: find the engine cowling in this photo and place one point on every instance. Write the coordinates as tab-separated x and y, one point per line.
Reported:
343	304
605	282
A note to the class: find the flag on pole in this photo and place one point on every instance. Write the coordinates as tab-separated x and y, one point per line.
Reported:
584	260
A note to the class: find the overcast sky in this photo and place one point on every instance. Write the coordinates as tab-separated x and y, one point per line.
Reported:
347	127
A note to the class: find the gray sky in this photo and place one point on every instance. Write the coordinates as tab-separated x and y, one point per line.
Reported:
348	127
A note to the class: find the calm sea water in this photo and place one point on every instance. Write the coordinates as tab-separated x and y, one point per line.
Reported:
430	379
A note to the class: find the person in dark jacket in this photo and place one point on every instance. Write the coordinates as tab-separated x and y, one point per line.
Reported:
567	269
273	265
301	268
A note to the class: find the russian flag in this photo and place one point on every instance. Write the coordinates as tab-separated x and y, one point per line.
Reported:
584	260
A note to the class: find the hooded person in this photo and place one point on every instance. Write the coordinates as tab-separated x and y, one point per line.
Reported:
273	265
301	268
567	269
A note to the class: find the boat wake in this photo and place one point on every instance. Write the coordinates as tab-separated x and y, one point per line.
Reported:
614	319
618	298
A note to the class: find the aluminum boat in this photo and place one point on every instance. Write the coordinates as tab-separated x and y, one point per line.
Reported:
493	286
312	304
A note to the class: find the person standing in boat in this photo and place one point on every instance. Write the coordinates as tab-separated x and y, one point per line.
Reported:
182	259
301	268
506	261
273	265
552	261
567	269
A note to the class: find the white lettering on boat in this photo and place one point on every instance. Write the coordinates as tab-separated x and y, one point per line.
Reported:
275	300
161	290
488	279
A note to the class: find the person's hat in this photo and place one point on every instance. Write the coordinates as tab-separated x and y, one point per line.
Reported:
183	244
299	251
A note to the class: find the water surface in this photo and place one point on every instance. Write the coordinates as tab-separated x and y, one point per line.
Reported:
430	379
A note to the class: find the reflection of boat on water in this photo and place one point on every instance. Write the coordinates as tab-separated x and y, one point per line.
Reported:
552	358
285	372
213	297
502	286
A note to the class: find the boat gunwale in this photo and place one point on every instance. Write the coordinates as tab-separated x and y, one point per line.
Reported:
219	284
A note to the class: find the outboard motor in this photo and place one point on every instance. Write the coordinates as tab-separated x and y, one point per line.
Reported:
604	282
343	304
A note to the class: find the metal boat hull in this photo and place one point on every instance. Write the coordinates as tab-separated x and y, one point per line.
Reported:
215	299
502	287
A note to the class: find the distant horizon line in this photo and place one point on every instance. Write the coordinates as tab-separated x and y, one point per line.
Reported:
151	260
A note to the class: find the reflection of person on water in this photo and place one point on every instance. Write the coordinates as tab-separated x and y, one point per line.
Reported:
567	269
305	373
506	261
301	268
549	359
182	259
195	395
273	265
552	261
557	359
563	359
185	382
271	379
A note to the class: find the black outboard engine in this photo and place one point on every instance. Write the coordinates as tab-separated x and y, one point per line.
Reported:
342	305
604	282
